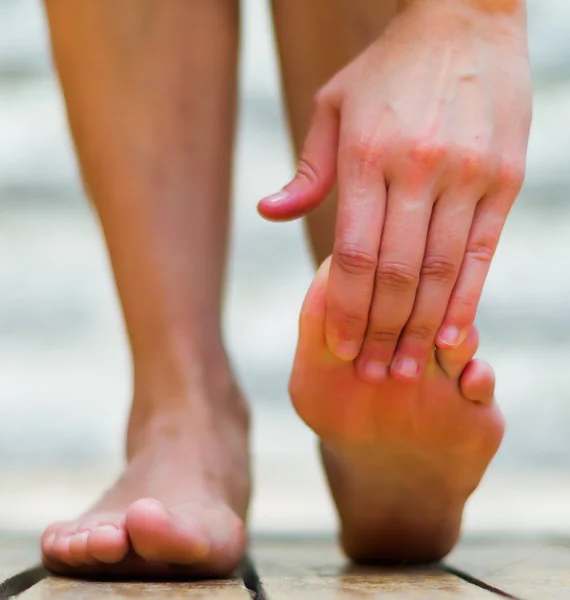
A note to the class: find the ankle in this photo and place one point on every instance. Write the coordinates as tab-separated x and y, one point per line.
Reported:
177	360
182	367
182	391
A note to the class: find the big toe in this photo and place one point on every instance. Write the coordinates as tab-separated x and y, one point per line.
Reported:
476	378
312	317
478	382
209	539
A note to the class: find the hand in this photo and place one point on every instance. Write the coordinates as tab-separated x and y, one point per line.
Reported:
426	134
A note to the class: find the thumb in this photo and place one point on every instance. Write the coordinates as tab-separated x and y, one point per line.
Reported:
316	171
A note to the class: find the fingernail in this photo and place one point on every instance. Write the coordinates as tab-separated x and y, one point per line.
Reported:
347	350
50	540
277	197
449	336
407	367
376	371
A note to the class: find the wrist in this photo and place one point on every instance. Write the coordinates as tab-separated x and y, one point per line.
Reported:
491	7
486	18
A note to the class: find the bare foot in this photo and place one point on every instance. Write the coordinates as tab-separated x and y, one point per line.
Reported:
401	457
180	506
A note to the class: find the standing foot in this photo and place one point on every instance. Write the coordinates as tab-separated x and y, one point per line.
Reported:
180	506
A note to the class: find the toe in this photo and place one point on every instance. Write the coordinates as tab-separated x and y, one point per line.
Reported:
108	543
454	360
478	382
61	547
312	317
225	533
158	535
78	548
211	540
82	543
48	540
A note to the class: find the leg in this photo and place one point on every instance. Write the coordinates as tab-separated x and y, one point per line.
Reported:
401	460
150	89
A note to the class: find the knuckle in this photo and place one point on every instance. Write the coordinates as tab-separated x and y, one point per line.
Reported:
475	164
307	171
426	154
367	152
463	306
354	261
423	332
383	336
424	158
348	324
481	249
327	94
320	99
463	311
396	277
349	320
511	174
441	268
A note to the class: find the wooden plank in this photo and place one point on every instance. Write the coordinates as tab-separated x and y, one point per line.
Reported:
291	570
531	571
56	588
17	554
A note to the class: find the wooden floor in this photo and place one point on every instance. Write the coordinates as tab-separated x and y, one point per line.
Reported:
297	569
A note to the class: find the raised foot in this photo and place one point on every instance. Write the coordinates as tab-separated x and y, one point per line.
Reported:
178	510
402	458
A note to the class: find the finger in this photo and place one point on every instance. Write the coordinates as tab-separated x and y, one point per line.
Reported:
447	237
360	216
396	280
316	170
482	242
454	360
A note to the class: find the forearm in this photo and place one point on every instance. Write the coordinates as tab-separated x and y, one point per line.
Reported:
507	7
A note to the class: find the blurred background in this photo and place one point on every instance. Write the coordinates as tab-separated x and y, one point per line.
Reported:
64	365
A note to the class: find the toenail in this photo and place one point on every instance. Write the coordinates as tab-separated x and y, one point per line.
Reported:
407	367
375	370
449	336
105	528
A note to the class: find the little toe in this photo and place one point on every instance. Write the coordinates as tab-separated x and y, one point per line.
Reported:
49	537
61	548
454	360
478	382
